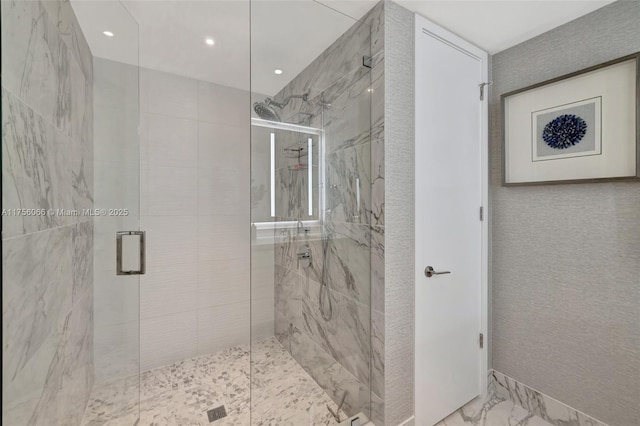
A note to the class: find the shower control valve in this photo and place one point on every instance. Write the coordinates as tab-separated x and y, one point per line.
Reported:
304	257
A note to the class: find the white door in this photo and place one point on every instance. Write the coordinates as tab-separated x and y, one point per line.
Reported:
450	188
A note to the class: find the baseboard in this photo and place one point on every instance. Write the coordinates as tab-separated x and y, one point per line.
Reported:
411	421
541	405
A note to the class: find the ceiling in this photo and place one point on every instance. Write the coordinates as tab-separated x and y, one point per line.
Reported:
253	39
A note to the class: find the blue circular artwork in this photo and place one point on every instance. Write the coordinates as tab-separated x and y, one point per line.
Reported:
564	131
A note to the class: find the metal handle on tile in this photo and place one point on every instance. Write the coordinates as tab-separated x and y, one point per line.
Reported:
429	272
119	236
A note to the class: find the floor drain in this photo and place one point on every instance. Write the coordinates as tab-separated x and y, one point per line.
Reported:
216	413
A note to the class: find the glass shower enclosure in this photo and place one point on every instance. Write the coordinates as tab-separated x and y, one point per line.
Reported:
220	270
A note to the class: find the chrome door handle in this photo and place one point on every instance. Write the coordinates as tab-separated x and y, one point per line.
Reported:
429	272
119	236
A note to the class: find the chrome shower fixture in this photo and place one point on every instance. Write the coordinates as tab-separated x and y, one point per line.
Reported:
266	110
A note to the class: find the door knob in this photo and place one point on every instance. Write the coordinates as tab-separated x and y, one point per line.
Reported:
429	272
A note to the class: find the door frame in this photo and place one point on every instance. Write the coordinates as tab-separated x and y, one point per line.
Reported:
422	26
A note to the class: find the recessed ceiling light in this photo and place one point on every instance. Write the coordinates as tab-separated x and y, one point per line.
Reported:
209	41
278	72
108	33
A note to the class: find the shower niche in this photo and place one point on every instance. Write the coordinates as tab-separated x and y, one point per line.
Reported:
285	172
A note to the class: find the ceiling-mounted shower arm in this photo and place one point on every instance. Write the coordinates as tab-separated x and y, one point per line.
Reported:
284	103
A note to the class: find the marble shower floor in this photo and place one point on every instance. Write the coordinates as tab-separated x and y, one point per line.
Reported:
493	411
180	394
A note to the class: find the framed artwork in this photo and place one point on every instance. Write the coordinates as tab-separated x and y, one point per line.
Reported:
581	127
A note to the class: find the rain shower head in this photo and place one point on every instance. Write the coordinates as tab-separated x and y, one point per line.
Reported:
266	110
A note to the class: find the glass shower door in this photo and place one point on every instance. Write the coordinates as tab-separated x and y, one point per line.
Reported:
119	256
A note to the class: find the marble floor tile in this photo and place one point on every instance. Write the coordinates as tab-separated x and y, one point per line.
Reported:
493	411
181	393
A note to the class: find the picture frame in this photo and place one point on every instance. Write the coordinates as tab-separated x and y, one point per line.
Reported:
580	127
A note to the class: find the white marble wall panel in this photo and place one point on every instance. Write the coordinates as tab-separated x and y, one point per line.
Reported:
346	336
288	305
47	265
348	259
39	72
348	122
377	353
537	403
41	169
349	183
63	16
343	57
337	352
334	379
47	325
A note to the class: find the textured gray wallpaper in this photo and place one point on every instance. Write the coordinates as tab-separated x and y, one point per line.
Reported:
399	213
566	258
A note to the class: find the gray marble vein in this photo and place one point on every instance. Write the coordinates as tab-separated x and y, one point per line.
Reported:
346	336
493	411
377	353
39	72
82	259
42	168
342	58
331	375
377	268
63	17
541	405
37	293
349	183
47	163
55	384
288	304
348	258
347	122
33	177
338	353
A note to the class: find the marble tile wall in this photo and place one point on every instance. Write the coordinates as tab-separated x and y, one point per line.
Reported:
537	403
47	260
339	353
